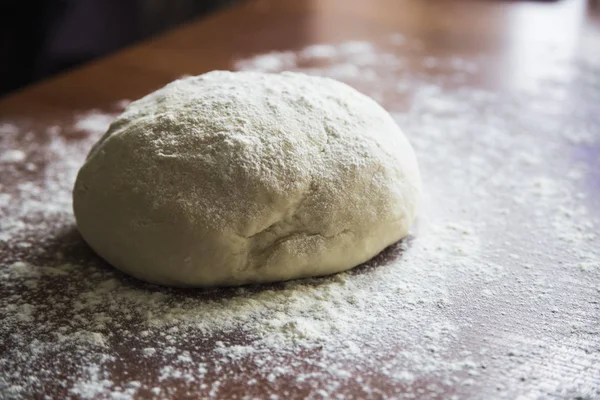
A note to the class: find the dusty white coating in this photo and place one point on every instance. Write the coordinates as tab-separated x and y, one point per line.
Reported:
232	178
474	305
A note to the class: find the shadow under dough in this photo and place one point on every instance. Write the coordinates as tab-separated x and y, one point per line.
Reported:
69	247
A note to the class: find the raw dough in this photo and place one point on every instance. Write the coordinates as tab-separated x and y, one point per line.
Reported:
230	178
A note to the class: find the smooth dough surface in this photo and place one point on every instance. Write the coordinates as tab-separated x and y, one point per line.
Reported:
230	178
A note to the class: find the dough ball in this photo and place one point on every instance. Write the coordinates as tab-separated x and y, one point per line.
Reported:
230	178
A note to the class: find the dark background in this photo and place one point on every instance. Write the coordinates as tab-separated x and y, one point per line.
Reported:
42	37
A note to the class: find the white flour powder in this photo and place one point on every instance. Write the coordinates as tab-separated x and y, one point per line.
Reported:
473	278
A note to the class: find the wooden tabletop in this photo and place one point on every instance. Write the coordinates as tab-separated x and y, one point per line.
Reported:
495	295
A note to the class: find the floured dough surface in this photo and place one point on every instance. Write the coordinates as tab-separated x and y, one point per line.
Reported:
230	178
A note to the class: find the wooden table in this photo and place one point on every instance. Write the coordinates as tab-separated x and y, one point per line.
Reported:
497	294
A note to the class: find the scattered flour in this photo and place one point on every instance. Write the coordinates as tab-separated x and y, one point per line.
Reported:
467	302
95	121
12	156
8	128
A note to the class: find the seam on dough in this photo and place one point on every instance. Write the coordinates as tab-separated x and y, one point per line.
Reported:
267	251
296	206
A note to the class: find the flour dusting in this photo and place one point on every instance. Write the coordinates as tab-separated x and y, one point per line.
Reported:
508	220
